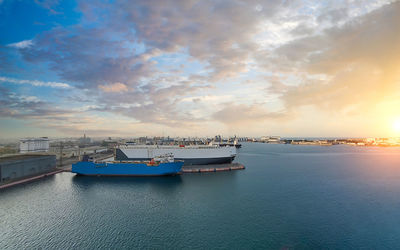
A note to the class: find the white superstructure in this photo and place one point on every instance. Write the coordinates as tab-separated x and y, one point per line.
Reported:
196	154
34	145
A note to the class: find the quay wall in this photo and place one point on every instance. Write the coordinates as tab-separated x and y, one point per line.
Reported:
22	166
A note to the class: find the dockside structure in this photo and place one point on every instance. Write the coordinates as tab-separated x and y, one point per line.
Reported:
17	167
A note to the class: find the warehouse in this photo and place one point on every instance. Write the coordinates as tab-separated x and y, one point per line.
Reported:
34	145
20	166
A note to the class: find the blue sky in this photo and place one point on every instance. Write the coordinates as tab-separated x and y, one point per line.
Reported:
23	20
199	68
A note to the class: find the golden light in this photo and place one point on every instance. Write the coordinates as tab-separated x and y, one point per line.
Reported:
396	125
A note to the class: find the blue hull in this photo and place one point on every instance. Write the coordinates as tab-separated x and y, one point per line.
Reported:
126	169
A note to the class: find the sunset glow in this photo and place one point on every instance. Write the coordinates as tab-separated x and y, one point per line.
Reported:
198	68
396	126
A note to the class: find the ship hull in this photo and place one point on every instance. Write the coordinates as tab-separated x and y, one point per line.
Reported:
188	161
190	156
126	169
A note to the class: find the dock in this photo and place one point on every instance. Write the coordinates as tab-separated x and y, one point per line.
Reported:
29	179
185	170
211	168
201	168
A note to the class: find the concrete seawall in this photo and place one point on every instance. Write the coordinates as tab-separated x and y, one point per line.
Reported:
29	179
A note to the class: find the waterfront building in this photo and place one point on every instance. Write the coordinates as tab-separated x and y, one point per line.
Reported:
24	165
34	145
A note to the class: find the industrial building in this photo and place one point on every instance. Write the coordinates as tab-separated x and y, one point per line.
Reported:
34	145
16	167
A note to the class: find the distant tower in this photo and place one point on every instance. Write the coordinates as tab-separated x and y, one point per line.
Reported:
84	140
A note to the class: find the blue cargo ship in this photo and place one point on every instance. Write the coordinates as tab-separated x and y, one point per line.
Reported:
155	167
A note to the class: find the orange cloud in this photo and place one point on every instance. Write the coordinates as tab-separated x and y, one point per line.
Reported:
114	88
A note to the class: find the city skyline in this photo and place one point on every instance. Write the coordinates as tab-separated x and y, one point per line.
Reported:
199	68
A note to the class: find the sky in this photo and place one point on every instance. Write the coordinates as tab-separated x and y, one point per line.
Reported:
200	68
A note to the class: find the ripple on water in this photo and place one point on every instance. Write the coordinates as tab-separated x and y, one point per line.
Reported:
288	197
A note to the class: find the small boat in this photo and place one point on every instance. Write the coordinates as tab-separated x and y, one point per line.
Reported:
157	166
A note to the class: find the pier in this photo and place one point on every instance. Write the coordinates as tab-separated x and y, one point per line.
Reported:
185	170
212	168
29	179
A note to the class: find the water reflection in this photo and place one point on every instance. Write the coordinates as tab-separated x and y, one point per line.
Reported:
49	180
87	181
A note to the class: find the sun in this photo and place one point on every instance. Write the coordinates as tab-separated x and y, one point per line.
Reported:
396	125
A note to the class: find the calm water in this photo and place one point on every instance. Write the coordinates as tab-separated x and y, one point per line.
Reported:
288	197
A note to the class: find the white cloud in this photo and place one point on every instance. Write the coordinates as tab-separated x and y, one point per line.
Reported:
36	83
243	62
30	99
21	45
209	98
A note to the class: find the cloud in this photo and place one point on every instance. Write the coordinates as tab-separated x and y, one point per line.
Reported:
236	114
358	63
36	83
27	107
152	103
105	53
21	45
219	34
49	5
38	113
89	56
115	87
123	56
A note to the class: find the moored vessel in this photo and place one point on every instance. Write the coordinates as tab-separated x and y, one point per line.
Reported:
157	166
190	154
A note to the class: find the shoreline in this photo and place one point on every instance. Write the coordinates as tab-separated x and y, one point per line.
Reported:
319	143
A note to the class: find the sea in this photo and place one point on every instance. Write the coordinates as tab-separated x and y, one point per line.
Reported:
288	197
